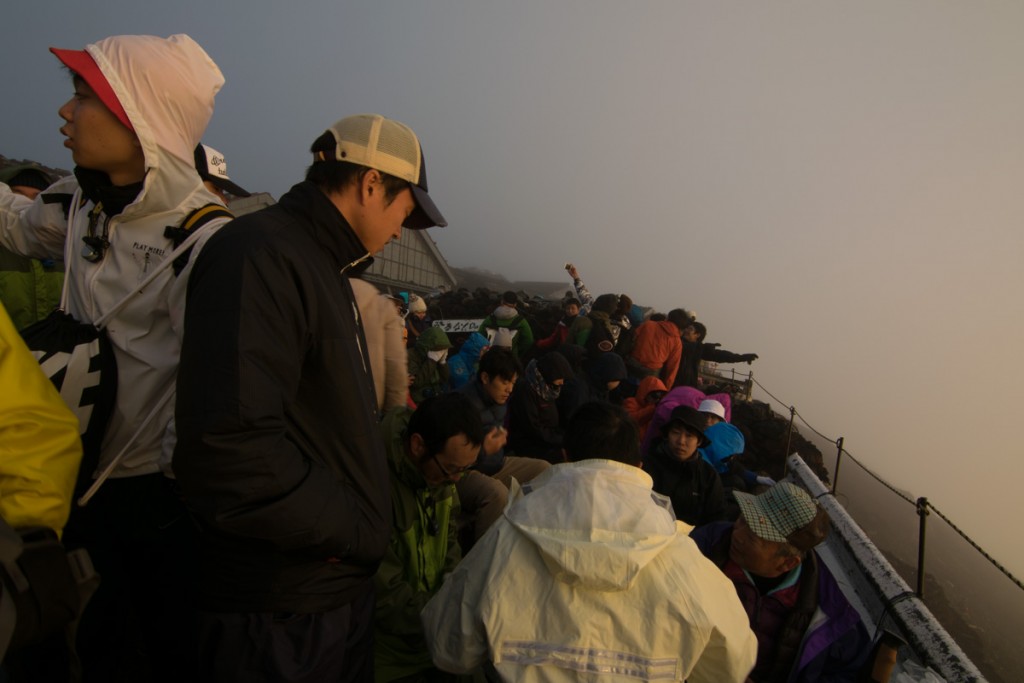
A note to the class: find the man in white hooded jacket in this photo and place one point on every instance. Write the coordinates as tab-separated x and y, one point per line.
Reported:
588	576
140	107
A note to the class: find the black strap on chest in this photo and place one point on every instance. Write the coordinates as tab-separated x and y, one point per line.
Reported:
193	221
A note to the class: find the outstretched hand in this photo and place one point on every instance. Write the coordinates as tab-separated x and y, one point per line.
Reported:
749	357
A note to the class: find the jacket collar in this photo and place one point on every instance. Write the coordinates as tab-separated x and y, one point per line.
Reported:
330	228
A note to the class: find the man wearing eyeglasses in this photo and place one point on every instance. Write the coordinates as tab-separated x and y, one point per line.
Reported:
428	451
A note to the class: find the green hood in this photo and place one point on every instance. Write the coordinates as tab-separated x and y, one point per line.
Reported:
433	339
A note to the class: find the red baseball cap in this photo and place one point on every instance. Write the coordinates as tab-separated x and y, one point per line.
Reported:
83	65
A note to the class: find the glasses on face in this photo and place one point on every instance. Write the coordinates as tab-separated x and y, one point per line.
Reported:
453	474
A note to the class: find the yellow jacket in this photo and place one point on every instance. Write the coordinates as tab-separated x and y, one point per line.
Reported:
40	447
589	577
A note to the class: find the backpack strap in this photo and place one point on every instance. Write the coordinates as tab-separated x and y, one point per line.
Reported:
10	550
193	221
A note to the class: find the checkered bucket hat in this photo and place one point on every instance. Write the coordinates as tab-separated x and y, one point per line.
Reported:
784	514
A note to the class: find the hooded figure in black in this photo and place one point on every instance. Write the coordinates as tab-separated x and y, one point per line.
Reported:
599	380
533	425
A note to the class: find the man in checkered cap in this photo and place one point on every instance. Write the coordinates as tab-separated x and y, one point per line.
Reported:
806	628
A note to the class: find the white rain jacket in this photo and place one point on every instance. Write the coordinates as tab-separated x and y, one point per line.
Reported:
589	577
167	88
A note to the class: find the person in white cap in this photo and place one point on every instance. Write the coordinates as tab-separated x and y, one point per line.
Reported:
139	108
807	631
713	411
279	455
213	169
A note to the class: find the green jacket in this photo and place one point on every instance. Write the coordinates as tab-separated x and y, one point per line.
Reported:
416	561
29	288
522	340
430	377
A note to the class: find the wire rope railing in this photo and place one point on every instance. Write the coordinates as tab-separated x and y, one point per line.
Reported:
923	506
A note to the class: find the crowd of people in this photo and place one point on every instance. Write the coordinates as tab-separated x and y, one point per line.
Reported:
292	483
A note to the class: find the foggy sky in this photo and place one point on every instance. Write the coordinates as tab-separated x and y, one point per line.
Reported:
834	186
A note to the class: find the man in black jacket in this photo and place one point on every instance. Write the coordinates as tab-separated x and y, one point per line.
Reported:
278	453
695	349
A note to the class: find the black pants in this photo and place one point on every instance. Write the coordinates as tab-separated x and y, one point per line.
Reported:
332	646
141	623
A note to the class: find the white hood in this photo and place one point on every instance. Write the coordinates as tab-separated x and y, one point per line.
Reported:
593	522
169	113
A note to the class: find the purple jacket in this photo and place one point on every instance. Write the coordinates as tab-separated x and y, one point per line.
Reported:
836	642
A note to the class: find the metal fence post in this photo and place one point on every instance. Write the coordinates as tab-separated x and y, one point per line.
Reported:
839	459
789	436
922	511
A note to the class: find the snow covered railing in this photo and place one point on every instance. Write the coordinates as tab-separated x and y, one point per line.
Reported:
929	640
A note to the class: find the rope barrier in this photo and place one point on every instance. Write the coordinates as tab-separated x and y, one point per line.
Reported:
977	547
995	563
881	481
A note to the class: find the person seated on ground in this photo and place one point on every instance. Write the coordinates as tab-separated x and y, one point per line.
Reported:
507	317
571	309
713	411
641	406
587	571
533	425
385	344
658	348
29	288
680	396
680	473
463	365
428	451
727	444
695	349
417	321
483	492
806	629
213	169
428	364
601	376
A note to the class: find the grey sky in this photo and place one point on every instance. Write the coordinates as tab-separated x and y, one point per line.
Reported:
835	186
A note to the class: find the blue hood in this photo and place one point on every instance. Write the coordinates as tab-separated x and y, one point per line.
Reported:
726	441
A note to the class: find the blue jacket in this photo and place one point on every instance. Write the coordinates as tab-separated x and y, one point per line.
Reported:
835	644
462	366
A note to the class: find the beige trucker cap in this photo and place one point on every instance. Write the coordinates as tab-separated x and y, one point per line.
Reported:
391	147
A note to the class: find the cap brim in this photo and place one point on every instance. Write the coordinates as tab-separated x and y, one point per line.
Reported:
82	63
426	214
227	186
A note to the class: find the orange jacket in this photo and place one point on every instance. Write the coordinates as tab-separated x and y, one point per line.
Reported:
657	346
638	408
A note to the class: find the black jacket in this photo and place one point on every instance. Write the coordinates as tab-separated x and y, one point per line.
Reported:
693	486
279	454
533	430
695	352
